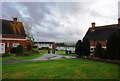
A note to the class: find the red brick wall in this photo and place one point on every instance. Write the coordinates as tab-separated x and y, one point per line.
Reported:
94	42
23	42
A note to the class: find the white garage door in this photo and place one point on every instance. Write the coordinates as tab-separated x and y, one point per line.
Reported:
2	48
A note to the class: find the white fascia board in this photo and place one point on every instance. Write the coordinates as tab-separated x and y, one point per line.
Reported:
11	39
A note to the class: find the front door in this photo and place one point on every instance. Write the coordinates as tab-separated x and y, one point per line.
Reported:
2	48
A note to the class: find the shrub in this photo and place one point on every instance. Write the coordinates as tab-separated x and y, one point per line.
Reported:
104	54
29	47
35	51
113	46
86	47
13	50
19	49
78	49
98	50
66	52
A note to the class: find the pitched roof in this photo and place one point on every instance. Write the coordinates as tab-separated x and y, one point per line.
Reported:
60	44
46	42
43	42
9	28
101	32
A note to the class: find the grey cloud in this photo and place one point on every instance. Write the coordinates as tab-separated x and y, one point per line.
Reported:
57	21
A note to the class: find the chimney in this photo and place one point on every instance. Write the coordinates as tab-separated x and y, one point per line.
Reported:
119	21
15	20
93	25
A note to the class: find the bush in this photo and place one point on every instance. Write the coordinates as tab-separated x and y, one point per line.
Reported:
19	49
35	51
86	47
98	50
13	50
78	49
113	46
29	47
104	54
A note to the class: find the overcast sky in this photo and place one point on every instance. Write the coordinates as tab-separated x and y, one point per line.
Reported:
62	21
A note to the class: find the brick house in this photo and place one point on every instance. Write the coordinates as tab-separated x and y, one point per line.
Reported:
45	45
60	46
100	34
12	35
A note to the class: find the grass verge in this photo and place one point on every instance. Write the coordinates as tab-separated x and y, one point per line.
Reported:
60	69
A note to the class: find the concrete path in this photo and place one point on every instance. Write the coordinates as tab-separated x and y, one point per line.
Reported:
52	56
43	57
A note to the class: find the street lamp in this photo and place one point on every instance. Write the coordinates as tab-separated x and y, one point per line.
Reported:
38	41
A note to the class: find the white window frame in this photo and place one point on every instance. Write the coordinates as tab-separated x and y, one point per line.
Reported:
15	44
2	48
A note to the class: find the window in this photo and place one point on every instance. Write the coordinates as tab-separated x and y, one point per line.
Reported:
15	44
49	44
91	48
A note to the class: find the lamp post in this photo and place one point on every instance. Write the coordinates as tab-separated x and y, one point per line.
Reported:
38	41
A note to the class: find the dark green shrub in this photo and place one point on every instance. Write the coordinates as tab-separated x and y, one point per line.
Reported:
29	47
113	46
27	53
86	47
78	49
13	50
35	51
66	52
19	49
104	54
98	50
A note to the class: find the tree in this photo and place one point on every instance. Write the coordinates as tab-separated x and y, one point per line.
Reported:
78	49
98	50
113	46
86	47
28	28
29	47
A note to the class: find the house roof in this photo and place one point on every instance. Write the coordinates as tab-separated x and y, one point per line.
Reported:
8	28
44	42
101	32
60	44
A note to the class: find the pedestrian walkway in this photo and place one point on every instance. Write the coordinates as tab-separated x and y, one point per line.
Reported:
43	57
52	56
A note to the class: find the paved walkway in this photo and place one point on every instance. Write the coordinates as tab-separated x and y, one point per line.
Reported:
43	57
52	56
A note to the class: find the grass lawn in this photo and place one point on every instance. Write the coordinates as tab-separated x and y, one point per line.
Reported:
60	69
41	52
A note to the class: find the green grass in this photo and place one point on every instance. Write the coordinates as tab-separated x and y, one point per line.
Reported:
12	56
60	69
8	57
62	52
